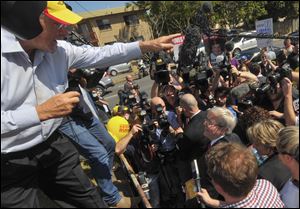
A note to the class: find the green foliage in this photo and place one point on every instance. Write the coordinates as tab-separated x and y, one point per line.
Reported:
232	13
166	17
280	9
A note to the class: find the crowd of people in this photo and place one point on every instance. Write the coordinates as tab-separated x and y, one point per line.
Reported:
239	124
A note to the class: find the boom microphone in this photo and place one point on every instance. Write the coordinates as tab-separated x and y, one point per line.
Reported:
207	8
240	91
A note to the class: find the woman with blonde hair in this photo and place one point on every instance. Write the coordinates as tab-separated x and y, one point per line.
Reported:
263	136
288	148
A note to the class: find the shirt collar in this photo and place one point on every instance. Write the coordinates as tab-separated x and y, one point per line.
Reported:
9	43
195	114
215	140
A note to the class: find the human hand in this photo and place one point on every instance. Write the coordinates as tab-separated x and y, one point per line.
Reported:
154	147
179	111
158	44
206	199
156	124
235	71
286	86
58	106
276	115
135	129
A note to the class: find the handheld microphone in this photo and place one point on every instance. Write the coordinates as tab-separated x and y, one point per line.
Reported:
196	177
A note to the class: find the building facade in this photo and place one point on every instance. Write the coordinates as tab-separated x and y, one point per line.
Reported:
102	27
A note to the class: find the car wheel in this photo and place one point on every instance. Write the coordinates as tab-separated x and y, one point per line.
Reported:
100	90
236	52
113	73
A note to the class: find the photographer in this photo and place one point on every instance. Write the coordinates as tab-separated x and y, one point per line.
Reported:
266	65
140	151
166	124
274	99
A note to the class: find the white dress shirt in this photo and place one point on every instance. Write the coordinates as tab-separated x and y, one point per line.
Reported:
24	84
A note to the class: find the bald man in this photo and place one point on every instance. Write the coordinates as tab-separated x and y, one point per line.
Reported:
129	84
170	114
193	144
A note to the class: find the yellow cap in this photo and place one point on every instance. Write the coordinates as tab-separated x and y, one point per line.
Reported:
118	127
58	11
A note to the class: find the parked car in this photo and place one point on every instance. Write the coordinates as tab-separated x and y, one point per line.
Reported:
121	68
98	79
294	34
250	53
242	43
104	84
253	55
272	52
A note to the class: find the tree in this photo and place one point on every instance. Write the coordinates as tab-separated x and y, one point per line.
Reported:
166	17
280	9
232	13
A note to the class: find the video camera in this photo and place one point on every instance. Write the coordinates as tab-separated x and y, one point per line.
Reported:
161	117
92	77
285	71
158	68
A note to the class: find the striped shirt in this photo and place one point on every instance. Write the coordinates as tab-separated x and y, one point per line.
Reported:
263	195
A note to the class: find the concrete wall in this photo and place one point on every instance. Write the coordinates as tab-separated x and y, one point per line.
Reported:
119	31
287	26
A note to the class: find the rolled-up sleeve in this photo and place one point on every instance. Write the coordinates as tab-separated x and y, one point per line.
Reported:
18	120
101	57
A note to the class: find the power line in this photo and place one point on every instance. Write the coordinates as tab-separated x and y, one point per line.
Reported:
84	8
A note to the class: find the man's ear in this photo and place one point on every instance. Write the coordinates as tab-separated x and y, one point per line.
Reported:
288	158
224	130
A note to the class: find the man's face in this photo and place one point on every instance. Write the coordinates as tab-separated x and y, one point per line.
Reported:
216	49
129	79
220	100
211	129
154	106
52	31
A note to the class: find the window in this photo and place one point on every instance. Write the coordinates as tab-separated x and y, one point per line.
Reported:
103	24
137	38
131	20
110	43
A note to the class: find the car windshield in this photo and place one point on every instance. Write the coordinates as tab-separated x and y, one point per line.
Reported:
236	39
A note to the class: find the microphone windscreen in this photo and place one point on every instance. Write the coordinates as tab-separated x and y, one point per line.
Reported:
207	7
240	91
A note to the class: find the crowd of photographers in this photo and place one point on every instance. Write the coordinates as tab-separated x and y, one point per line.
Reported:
232	117
216	132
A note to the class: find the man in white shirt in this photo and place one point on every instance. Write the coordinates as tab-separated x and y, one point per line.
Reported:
33	78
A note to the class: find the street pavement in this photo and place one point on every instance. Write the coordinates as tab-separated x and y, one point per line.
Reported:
145	83
112	95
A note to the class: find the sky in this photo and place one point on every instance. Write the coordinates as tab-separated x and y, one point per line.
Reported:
82	6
